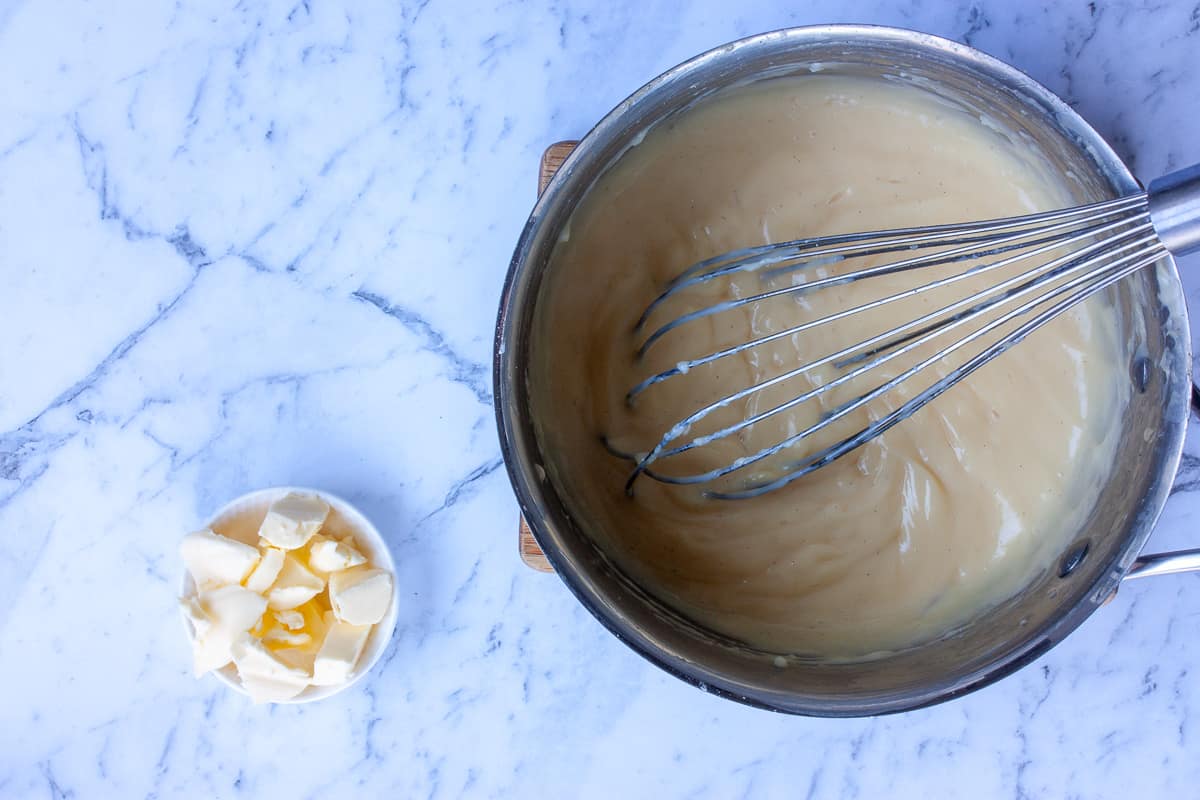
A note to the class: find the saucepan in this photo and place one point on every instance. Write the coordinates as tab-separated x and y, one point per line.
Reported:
1104	552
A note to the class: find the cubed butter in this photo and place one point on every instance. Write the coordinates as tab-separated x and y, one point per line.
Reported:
266	690
195	616
339	652
293	519
292	620
211	652
282	637
225	614
265	677
207	652
331	555
295	585
267	571
253	658
214	560
360	595
322	592
233	607
314	621
299	657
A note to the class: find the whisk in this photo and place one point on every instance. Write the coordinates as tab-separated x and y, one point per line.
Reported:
1071	255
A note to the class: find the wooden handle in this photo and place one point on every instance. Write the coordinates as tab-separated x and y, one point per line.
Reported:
552	159
531	554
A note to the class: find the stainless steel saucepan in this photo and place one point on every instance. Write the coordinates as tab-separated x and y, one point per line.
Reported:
1104	552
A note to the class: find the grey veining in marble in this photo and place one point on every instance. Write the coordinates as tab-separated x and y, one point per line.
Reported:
226	236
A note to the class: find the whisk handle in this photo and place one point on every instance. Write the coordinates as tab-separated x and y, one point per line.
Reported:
1175	209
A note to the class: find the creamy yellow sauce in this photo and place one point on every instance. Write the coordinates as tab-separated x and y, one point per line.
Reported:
906	537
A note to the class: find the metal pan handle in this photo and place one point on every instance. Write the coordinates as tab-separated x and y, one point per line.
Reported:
1165	564
1177	561
1175	209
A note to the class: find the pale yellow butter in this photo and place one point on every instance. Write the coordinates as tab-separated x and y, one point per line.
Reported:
278	655
295	585
360	595
214	560
330	555
263	674
267	570
339	652
218	617
293	519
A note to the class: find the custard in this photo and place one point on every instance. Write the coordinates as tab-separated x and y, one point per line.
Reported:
899	541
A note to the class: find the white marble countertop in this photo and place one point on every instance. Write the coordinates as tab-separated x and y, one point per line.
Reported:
251	244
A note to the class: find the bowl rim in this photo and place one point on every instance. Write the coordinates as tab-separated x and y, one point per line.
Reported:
381	632
518	451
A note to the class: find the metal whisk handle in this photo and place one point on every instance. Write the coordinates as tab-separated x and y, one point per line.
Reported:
1175	209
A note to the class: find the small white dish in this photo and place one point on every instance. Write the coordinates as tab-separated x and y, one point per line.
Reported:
240	518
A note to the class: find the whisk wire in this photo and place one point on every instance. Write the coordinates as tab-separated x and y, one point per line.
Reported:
1104	242
685	366
844	246
829	454
1078	262
1087	249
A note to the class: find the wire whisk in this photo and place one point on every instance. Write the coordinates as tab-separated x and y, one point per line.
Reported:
1036	267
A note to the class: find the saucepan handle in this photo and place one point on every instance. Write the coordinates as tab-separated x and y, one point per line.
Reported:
1176	561
1174	202
1165	564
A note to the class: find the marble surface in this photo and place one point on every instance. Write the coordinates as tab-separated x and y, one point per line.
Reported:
250	244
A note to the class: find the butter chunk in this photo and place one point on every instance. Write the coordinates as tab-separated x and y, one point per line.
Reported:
207	653
293	519
223	615
295	585
214	560
267	678
267	570
360	595
210	653
195	615
339	652
292	620
330	555
282	637
299	657
233	607
314	622
254	659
